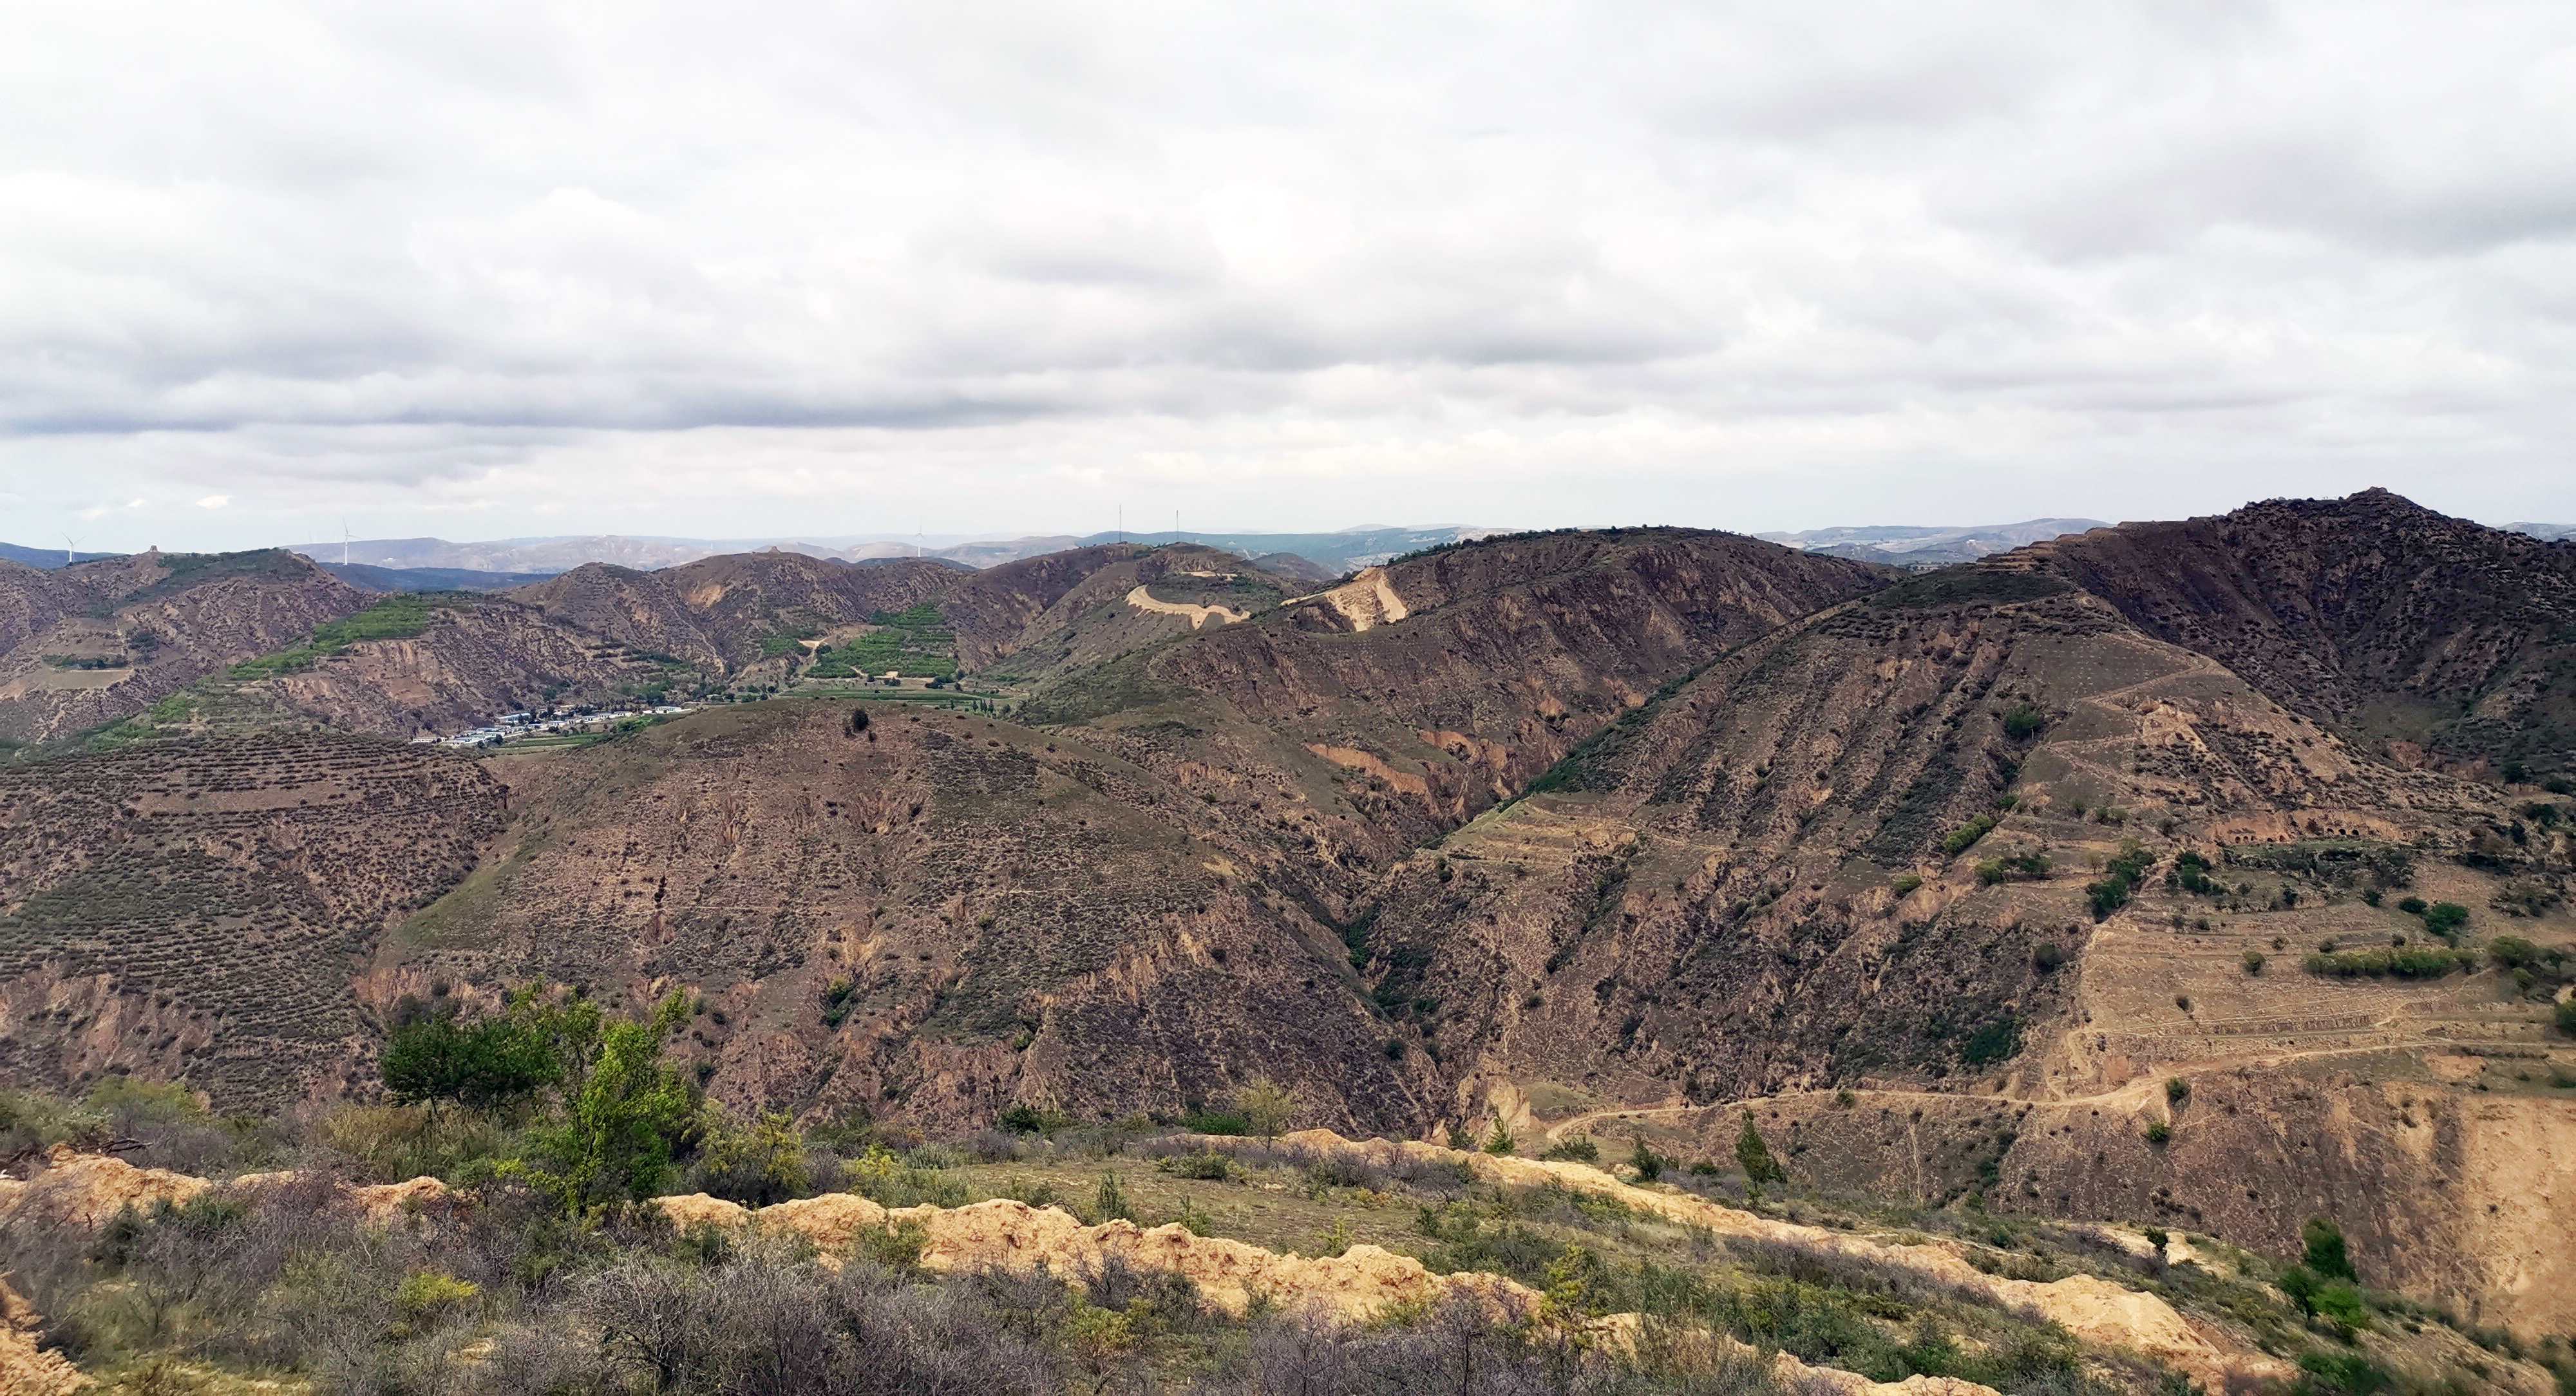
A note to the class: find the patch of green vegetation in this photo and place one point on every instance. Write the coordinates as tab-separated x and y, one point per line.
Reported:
917	642
189	570
1957	586
2014	867
1962	838
1996	1040
2120	878
2400	962
397	617
1121	684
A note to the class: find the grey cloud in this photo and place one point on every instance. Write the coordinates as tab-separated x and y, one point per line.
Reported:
412	252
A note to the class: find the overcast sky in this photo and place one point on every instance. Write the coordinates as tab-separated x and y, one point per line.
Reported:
494	269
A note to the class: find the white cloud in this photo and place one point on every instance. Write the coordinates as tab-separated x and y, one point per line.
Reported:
212	501
1006	265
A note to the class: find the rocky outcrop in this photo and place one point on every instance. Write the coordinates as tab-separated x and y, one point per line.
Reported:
2095	1310
26	1369
77	1189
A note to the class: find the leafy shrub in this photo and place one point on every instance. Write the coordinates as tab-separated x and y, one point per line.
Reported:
1206	1166
2412	906
2400	963
838	996
755	1164
2254	962
2344	1373
1905	886
2324	1249
2513	952
1961	838
2014	867
2177	1089
2048	957
2446	919
2158	1132
2121	876
1577	1148
2339	1302
2191	874
1649	1165
2567	1017
2024	721
1753	1155
1995	1040
1219	1122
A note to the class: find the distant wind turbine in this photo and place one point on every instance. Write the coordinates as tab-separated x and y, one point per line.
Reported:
344	542
69	543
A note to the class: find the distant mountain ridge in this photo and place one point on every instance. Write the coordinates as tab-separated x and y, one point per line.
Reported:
1332	553
1920	546
48	559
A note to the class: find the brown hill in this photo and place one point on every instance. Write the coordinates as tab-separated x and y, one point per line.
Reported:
716	611
2374	615
1596	831
1356	723
86	645
1774	883
194	910
1070	611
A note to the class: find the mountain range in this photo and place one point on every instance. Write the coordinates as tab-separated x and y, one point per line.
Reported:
2075	878
1330	553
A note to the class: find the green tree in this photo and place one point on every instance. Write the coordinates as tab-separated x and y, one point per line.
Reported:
2301	1284
756	1164
438	1058
1267	1106
621	1122
2339	1302
2326	1252
1754	1156
1649	1165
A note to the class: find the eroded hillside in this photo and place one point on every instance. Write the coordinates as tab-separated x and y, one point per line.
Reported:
2415	632
87	645
1999	882
198	911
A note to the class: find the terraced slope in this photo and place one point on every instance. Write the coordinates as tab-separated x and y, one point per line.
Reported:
924	917
717	611
1871	854
421	664
86	645
199	910
2371	614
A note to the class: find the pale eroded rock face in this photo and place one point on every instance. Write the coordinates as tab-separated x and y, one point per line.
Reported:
86	1189
24	1370
1008	1235
2095	1310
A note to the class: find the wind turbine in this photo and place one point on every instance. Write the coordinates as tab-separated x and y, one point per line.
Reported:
69	543
344	542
